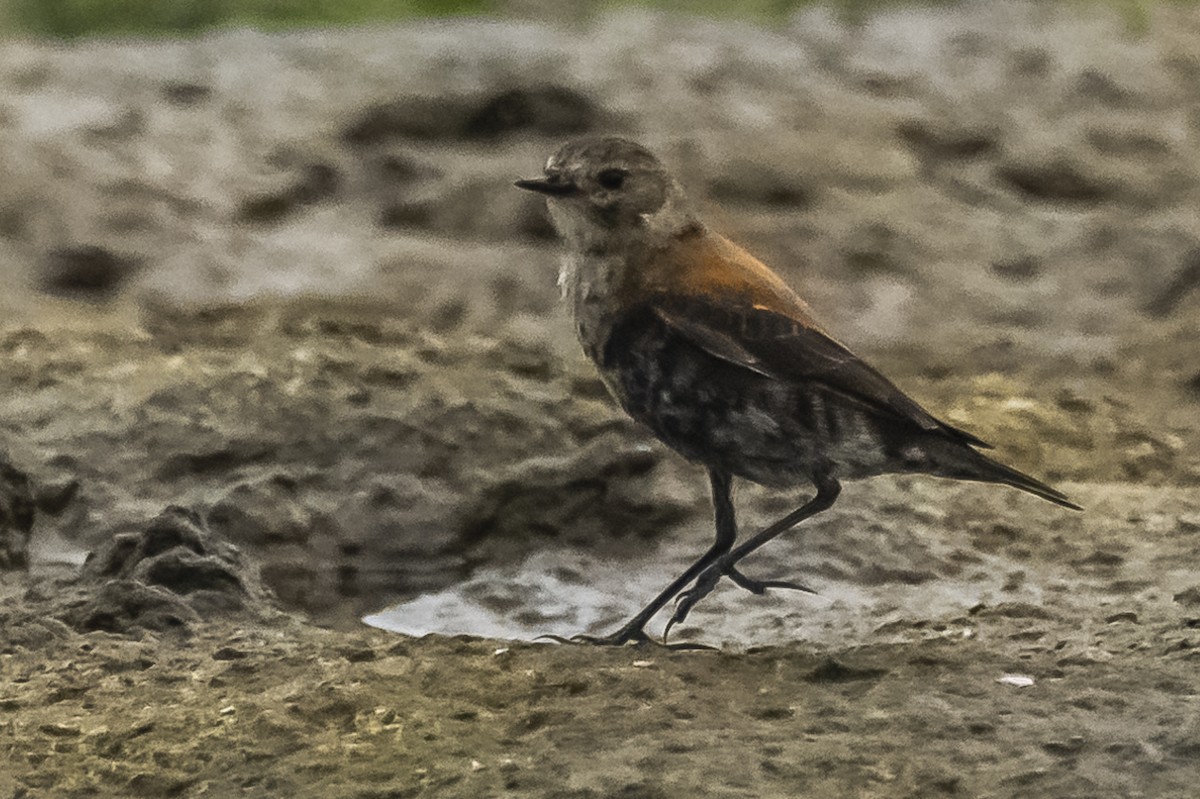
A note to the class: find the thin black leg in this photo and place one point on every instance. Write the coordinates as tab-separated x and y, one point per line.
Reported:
827	493
726	524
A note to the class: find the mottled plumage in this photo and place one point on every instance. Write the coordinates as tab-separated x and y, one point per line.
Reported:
723	361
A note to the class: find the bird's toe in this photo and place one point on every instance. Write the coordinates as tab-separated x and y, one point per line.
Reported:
688	599
760	586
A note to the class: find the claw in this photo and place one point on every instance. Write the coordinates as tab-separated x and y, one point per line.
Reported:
760	586
679	615
670	624
687	600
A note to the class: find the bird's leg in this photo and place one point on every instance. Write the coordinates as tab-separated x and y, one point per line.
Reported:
726	523
827	493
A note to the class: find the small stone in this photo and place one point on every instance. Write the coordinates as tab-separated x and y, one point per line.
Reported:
1016	680
228	653
1127	615
1189	597
1064	748
185	93
1188	524
60	730
1054	180
158	784
772	713
1019	269
362	654
833	671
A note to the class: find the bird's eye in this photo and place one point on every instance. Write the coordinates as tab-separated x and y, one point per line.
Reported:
611	178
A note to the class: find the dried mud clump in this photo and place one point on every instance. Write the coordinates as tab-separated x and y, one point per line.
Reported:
598	493
545	109
16	516
162	578
87	272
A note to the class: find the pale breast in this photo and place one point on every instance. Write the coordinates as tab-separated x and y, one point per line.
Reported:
587	282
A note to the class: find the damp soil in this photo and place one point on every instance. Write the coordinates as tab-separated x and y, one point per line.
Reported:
281	350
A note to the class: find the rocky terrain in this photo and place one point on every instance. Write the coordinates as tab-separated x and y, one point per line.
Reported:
281	349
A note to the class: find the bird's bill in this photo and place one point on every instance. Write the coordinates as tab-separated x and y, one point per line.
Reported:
553	186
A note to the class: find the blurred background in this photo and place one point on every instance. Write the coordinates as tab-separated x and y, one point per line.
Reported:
74	18
71	18
263	259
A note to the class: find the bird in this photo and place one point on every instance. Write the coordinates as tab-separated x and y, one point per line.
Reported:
722	360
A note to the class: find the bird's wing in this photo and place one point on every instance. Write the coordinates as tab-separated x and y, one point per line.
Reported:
790	348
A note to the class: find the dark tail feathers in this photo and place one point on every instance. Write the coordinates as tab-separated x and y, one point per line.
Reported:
967	464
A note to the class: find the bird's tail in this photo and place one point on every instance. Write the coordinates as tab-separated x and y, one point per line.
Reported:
964	463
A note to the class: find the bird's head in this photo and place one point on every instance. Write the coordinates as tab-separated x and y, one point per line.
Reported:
601	188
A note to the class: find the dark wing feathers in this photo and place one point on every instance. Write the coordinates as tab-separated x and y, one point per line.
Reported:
776	346
713	340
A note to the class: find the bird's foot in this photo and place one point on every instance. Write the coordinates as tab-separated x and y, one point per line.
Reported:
708	580
622	637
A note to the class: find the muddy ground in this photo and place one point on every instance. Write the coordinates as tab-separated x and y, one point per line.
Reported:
281	349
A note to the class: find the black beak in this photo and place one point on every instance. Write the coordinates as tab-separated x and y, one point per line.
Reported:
552	186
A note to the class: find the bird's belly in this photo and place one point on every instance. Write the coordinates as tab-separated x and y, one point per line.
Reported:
721	415
759	432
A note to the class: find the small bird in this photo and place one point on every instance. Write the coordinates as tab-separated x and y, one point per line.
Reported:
706	346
